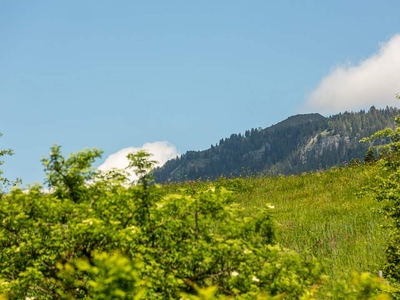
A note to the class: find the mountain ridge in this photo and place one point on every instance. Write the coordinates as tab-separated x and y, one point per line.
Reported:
300	143
298	119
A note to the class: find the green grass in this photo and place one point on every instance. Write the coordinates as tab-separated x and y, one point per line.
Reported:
330	215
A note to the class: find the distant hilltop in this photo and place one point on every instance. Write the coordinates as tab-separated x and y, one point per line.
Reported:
298	144
299	119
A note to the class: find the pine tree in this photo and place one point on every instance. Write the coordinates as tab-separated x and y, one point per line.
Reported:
369	156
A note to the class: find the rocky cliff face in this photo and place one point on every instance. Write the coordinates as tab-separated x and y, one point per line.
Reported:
321	143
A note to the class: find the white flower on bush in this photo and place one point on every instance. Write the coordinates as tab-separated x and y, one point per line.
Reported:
234	274
255	279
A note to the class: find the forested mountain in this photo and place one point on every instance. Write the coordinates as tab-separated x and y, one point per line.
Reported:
298	144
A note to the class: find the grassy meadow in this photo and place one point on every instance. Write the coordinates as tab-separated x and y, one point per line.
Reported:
331	215
328	214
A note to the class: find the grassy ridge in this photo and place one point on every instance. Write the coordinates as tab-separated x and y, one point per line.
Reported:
330	214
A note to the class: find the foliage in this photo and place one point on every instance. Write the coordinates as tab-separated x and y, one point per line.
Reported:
67	177
91	238
387	189
361	286
108	276
4	182
369	156
140	161
389	151
190	241
326	214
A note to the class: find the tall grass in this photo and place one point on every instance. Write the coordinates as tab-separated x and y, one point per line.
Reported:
330	215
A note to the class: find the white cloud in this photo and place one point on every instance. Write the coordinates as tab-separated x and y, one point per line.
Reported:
161	152
373	81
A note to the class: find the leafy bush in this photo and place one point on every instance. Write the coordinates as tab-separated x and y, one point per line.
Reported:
65	243
388	190
4	182
93	237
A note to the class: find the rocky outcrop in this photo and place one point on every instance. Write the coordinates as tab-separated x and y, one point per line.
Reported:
322	142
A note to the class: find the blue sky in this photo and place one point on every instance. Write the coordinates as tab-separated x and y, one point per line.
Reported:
119	74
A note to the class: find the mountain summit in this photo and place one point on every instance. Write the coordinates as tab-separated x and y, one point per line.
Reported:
298	144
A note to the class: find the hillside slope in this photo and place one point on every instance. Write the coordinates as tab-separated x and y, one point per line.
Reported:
298	144
332	215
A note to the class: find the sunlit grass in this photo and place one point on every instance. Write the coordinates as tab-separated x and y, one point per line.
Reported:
329	215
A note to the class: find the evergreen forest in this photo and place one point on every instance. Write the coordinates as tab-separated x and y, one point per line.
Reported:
301	143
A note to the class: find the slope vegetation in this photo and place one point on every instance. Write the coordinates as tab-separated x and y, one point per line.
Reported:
332	215
298	144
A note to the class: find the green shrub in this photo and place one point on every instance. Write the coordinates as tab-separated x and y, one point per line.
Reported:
93	237
387	190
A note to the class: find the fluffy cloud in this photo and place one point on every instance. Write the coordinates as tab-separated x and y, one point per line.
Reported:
373	81
161	152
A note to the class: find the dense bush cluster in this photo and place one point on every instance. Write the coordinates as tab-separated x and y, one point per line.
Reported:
387	189
94	235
